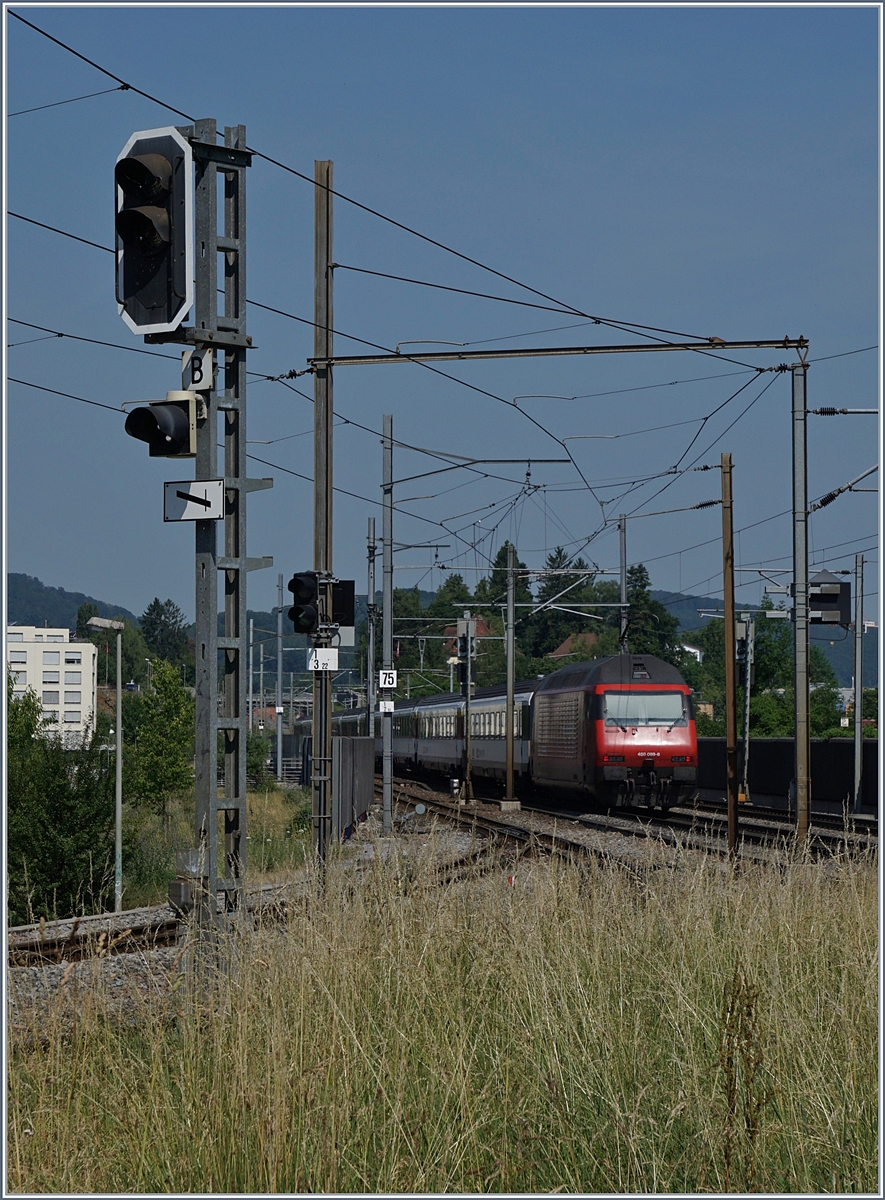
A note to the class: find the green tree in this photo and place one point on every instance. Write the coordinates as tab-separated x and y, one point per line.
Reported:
84	612
60	817
568	585
449	599
491	590
651	628
133	649
160	764
163	629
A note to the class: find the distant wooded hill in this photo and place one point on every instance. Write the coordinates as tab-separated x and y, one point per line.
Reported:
31	602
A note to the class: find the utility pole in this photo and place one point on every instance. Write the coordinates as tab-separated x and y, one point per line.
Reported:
468	624
387	626
510	653
322	502
251	704
800	603
261	684
749	658
730	698
858	680
371	610
622	635
279	694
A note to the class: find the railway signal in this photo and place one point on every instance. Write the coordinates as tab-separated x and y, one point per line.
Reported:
154	224
304	613
829	600
168	426
344	602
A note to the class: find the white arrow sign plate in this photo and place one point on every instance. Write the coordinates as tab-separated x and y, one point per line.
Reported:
194	500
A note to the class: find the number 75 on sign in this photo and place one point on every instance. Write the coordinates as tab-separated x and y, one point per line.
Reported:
387	679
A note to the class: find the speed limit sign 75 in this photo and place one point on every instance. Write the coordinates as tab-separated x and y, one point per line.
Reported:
387	679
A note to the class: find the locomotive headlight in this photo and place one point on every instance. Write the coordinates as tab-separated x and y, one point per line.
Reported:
686	758
612	758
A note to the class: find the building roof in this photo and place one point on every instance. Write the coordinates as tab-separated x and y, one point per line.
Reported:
575	643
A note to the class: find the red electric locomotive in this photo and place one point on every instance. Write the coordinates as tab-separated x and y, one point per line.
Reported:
620	730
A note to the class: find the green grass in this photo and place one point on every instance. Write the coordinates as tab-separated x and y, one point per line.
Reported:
277	836
701	1031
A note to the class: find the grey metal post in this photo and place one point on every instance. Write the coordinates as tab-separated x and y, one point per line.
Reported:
466	781
622	634
730	698
511	668
858	680
387	623
261	684
279	694
251	672
206	544
370	632
800	603
322	501
118	792
750	656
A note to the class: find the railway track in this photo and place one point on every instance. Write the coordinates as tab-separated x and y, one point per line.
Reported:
539	827
862	823
100	935
700	827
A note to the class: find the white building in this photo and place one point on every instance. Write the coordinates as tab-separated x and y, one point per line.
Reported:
62	673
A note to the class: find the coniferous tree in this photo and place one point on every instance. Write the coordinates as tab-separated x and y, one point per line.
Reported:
162	626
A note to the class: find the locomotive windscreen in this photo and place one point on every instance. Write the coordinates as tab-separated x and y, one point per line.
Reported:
644	708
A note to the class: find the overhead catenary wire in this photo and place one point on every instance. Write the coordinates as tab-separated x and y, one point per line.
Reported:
635	327
124	87
444	374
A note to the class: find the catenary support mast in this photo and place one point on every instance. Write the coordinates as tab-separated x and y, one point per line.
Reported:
387	623
730	695
322	503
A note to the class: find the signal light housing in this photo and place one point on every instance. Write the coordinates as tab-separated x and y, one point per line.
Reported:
168	426
305	612
154	224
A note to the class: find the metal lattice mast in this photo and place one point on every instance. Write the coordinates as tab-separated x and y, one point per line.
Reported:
221	711
322	515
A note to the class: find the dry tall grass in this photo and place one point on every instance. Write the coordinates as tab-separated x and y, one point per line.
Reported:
580	1031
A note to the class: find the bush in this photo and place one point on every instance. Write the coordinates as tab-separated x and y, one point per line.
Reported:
60	818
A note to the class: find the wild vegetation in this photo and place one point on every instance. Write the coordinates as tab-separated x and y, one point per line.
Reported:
580	1031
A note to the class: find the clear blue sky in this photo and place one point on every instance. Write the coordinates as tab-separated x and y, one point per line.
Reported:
713	171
